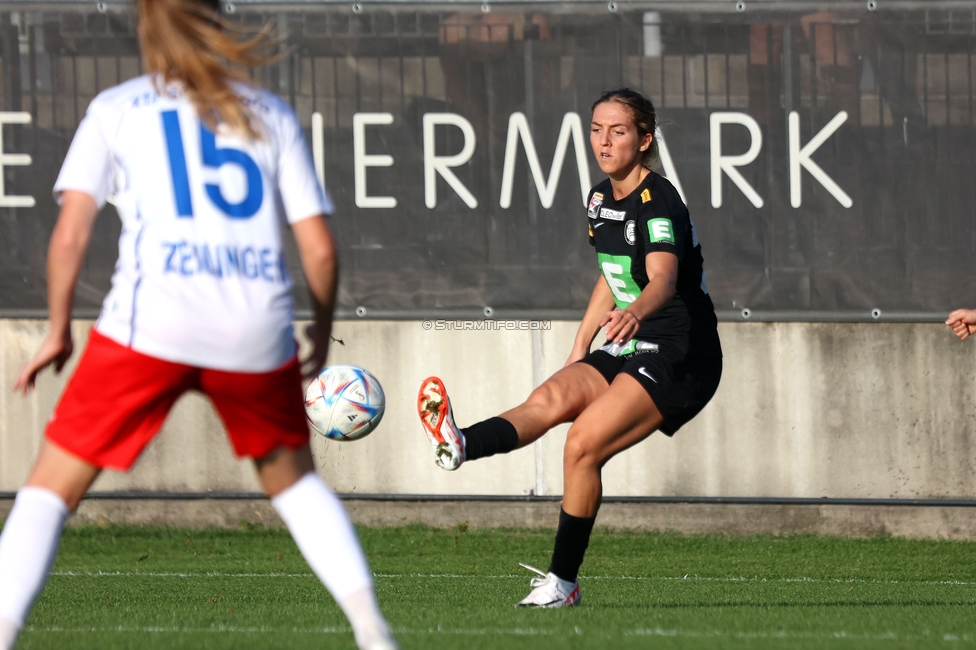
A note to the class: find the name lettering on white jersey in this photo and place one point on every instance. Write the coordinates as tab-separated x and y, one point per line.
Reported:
247	262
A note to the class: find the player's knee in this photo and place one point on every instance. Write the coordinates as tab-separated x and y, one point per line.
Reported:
73	501
545	397
282	468
580	450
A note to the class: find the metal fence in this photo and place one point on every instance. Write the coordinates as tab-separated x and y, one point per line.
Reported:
887	233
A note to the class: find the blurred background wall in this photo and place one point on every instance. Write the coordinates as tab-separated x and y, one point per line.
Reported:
856	410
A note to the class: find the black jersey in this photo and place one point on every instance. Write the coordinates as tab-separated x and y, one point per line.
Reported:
653	218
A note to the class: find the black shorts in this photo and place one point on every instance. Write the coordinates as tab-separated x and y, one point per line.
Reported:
680	389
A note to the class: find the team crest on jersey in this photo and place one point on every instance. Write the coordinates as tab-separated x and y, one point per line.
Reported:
594	208
612	215
629	228
646	196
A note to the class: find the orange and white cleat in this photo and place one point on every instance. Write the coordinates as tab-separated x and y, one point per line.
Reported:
437	418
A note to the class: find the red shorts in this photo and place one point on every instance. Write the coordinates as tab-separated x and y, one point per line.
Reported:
118	399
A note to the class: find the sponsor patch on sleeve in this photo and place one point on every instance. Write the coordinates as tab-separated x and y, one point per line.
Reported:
646	196
660	230
593	209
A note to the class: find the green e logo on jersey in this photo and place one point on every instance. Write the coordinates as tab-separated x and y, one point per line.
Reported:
660	230
616	270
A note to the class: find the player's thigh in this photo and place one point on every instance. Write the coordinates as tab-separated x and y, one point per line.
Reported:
261	411
569	391
618	419
115	402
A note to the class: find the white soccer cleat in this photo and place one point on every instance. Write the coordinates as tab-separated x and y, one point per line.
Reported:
435	413
550	591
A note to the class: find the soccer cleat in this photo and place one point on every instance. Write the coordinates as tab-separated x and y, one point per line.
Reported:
435	413
550	591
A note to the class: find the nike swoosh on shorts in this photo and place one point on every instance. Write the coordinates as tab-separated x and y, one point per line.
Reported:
644	372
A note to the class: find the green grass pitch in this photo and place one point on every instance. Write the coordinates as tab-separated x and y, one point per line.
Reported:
147	588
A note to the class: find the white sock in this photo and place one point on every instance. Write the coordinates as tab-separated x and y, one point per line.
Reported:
9	631
27	548
367	621
325	536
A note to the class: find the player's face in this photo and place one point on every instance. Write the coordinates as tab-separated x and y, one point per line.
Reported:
616	142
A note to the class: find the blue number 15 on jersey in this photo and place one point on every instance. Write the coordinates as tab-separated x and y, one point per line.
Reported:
213	157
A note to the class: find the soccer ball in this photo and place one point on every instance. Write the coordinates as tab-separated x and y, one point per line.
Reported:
344	403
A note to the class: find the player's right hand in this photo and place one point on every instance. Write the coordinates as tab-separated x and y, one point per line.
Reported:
963	323
55	349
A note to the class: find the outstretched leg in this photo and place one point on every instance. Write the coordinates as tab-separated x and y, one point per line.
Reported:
559	399
321	527
31	534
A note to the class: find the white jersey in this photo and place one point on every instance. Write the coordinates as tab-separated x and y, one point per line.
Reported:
201	277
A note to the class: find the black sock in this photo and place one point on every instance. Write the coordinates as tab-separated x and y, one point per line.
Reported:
572	538
493	436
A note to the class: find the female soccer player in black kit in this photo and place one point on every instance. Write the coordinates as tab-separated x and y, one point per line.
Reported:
660	365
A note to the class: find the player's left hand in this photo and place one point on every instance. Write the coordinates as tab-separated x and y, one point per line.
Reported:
313	363
55	349
621	326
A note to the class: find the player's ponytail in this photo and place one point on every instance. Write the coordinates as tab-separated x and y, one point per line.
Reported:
645	118
188	41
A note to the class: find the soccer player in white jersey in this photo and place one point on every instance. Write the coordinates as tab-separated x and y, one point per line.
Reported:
199	165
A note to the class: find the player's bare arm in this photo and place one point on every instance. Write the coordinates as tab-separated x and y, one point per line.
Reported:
662	276
66	253
601	300
316	248
963	323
